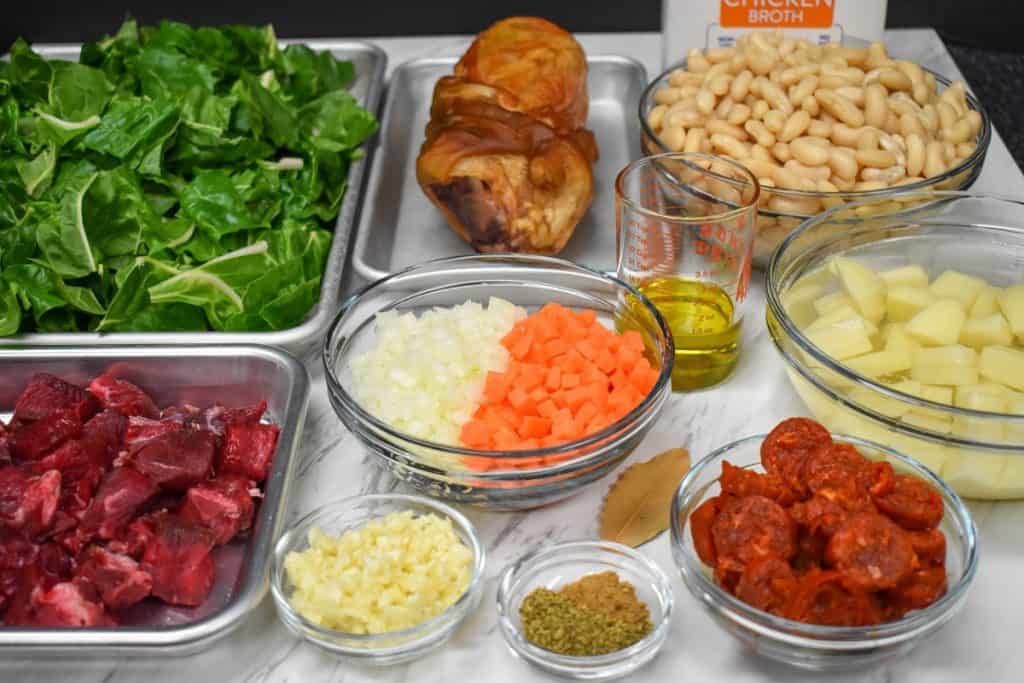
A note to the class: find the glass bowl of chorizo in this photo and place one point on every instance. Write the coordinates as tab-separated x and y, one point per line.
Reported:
821	551
819	126
503	381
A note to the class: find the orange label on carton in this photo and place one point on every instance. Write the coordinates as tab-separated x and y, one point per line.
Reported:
776	13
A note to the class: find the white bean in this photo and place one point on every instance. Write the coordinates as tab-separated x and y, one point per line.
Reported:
738	114
741	84
694	140
876	107
804	171
934	163
795	125
759	132
915	154
810	151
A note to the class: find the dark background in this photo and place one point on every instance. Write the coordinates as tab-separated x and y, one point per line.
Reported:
986	37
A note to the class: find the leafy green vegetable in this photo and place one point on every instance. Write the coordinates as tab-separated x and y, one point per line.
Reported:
175	178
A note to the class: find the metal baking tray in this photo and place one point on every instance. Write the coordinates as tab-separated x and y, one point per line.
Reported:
370	62
398	225
233	376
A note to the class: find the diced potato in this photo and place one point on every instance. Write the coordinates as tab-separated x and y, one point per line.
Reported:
948	375
905	276
939	324
1015	431
843	339
830	302
1011	485
799	303
993	330
928	421
820	406
943	395
872	400
907	386
986	304
880	363
975	473
931	455
895	338
990	389
1003	365
954	354
839	314
1011	302
863	286
816	278
903	303
953	284
982	429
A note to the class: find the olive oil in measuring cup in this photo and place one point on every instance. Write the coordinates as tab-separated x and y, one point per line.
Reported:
701	317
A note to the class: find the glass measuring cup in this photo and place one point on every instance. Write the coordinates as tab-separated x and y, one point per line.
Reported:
685	238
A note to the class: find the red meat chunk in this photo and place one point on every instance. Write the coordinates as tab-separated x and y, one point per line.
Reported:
16	555
248	449
142	429
121	493
123	396
178	559
65	604
103	435
5	446
133	539
217	418
46	394
176	460
27	503
33	440
224	506
116	578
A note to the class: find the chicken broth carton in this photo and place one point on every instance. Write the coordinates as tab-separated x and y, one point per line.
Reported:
702	24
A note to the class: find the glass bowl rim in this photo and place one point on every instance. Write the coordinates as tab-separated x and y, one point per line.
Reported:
651	401
302	526
688	158
655	576
774	299
815	635
983	141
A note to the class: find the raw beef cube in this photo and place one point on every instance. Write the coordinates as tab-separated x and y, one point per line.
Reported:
248	449
102	436
176	460
27	504
134	538
223	505
178	559
5	450
80	475
123	396
141	429
35	439
121	493
16	555
217	418
116	578
46	394
65	604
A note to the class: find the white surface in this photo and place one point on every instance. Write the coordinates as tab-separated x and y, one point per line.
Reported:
981	644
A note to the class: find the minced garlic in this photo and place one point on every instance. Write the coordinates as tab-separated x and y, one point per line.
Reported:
394	573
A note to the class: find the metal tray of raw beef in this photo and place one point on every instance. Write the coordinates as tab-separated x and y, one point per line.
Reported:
399	227
370	62
203	376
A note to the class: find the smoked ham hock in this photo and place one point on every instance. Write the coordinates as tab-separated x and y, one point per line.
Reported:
506	157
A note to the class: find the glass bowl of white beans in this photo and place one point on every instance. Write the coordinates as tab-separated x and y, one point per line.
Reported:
818	125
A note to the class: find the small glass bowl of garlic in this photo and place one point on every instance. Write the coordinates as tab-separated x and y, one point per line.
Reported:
905	327
378	579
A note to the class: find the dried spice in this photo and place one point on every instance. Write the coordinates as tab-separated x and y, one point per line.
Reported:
636	508
596	615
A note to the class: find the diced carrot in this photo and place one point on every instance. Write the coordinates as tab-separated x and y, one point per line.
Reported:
512	371
475	434
619	398
494	420
631	339
495	387
553	381
598	335
545	330
547	408
575	333
640	377
570	380
556	347
539	395
592	373
572	361
506	439
615	343
510	415
586	317
522	347
627	358
531	375
519	399
586	412
535	427
586	349
565	428
479	463
598	394
559	398
574	398
606	362
514	335
619	379
642	363
551	310
598	422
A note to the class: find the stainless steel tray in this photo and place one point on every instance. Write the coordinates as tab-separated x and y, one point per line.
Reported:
399	227
370	62
234	376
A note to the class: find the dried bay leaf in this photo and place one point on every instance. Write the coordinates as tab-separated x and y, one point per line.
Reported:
637	506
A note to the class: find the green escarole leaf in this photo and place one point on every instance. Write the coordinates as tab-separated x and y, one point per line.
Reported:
163	72
131	127
78	92
213	202
10	311
37	173
63	239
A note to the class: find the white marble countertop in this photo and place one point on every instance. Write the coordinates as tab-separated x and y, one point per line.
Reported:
979	644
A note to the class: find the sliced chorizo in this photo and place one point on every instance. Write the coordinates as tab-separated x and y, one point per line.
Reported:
740	482
786	447
929	546
819	514
750	528
821	597
810	551
871	552
767	584
701	520
911	503
920	589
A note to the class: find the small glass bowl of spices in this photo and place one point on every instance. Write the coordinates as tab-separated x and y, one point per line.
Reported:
587	610
378	579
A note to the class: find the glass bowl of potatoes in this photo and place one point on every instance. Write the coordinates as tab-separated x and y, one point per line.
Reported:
818	125
905	326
